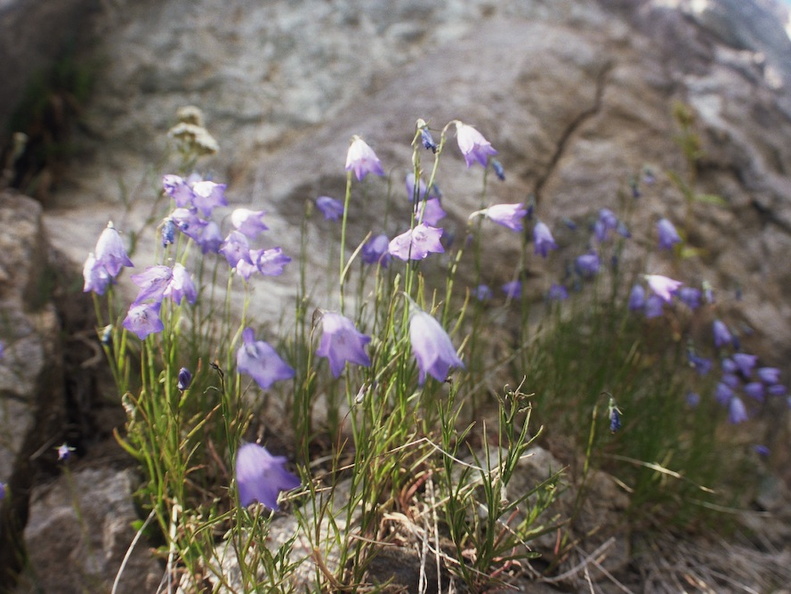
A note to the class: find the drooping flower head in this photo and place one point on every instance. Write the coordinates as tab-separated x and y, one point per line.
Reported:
208	196
184	379
261	477
557	293
331	208
259	360
473	145
362	159
429	212
417	243
341	342
236	248
637	298
587	265
188	222
210	238
181	286
668	236
97	279
722	336
64	452
270	262
737	413
607	221
178	189
690	296
482	293
143	319
375	251
654	307
431	346
419	191
248	222
507	215
513	289
110	251
662	286
543	240
152	282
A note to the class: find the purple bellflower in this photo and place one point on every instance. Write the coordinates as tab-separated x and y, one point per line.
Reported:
668	236
482	293
261	477
769	375
331	208
723	393
417	243
249	222
210	238
654	306
431	346
473	145
429	212
97	279
259	360
690	296
637	298
236	248
722	336
181	286
375	251
662	286
745	363
184	379
178	189
152	282
587	265
188	222
557	293
507	215
419	192
341	342
543	240
110	251
208	196
606	222
513	289
362	159
270	262
143	319
737	413
754	390
64	452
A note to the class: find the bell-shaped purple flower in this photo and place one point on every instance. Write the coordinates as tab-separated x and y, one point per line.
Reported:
690	296
637	298
723	393
654	307
236	248
210	238
722	336
431	346
473	145
331	208
362	159
375	251
557	292
662	286
208	196
248	222
259	360
270	262
754	390
429	212
482	293
179	189
587	265
143	319
421	192
110	251
188	222
64	452
668	236
769	375
737	413
97	279
745	363
606	222
152	282
701	364
181	286
184	379
543	240
513	289
341	342
417	243
261	477
507	215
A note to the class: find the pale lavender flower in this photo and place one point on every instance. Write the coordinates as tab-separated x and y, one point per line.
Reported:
587	265
507	215
178	189
270	262
543	240
97	279
110	251
557	293
654	306
662	286
362	159
331	208
143	319
731	380
737	413
431	346
181	286
728	365
261	477
769	375
668	236
375	251
248	222
417	243
152	282
637	298
482	293
413	192
64	452
184	379
690	296
473	145
513	289
259	360
606	222
723	393
745	363
236	248
188	222
208	196
429	212
701	364
722	335
776	390
210	238
341	342
754	390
